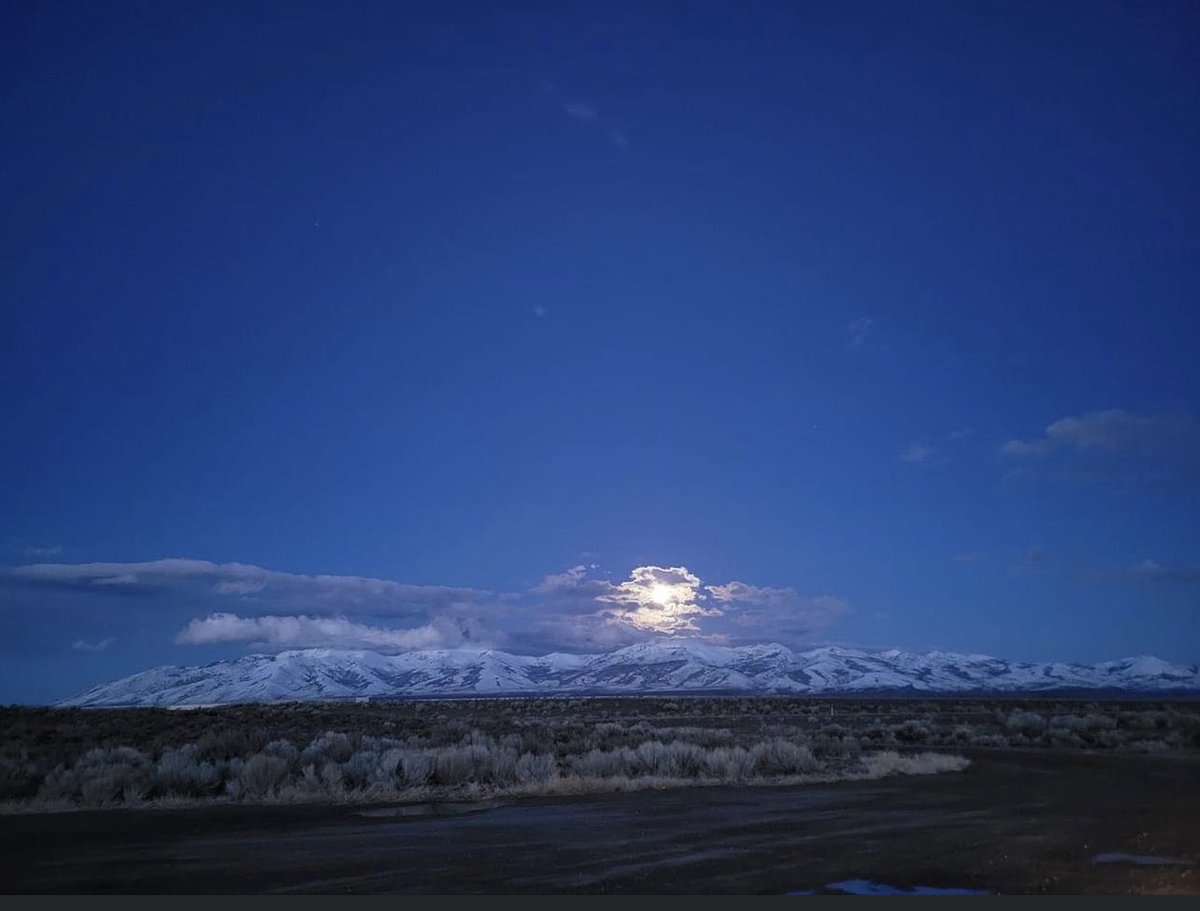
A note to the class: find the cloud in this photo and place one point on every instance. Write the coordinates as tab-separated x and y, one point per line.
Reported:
1156	571
617	137
580	110
1150	568
659	599
539	311
588	116
753	605
322	593
570	592
594	632
275	632
960	434
858	330
1120	450
1034	555
972	557
570	580
1114	431
916	452
578	608
1024	448
582	611
40	553
1111	430
100	645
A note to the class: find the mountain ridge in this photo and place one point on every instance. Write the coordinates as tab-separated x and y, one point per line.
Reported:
650	667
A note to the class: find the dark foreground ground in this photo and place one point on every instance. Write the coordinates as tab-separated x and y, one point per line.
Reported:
1016	821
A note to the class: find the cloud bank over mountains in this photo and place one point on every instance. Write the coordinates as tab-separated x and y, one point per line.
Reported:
240	604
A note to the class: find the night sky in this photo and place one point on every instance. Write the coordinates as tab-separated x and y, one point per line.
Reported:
562	327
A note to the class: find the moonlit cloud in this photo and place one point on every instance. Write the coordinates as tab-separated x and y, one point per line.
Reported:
276	633
660	599
781	608
578	608
571	592
567	581
596	631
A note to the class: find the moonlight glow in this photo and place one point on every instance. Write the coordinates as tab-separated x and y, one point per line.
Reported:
659	599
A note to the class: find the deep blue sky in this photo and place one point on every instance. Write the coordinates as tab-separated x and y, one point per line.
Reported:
888	311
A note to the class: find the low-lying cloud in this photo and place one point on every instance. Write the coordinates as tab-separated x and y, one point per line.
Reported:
322	593
278	633
579	608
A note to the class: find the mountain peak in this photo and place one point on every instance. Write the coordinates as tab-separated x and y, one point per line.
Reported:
665	665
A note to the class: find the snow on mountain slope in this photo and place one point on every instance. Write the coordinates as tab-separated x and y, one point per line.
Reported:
670	665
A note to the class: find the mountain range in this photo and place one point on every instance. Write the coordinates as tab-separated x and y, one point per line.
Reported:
664	666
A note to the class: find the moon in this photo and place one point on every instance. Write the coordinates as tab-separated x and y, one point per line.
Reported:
661	594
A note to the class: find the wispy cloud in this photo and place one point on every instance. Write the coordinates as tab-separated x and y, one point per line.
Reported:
580	110
917	451
972	557
1026	448
1122	450
1114	431
100	645
1153	570
858	330
589	116
1033	563
762	606
40	553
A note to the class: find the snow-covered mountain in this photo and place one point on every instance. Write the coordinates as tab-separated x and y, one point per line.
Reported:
652	667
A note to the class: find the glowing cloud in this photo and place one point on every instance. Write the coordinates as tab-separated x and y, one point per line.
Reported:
660	599
227	604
